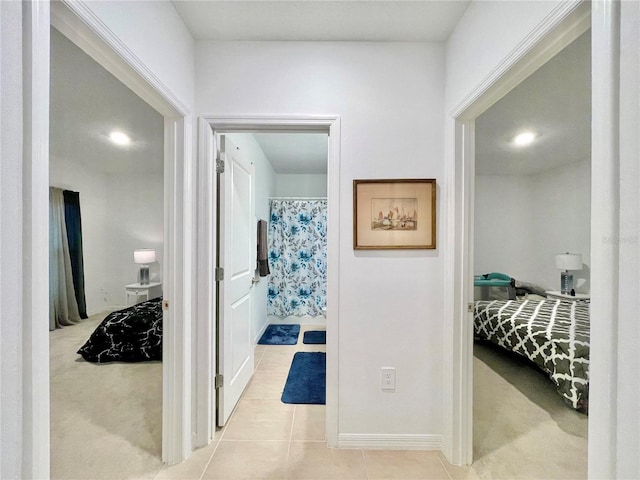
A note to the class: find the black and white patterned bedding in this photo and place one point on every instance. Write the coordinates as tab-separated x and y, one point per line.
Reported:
554	334
133	334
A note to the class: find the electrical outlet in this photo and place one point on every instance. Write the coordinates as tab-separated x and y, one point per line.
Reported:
388	379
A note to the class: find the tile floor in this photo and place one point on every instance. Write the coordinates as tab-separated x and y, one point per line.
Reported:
268	439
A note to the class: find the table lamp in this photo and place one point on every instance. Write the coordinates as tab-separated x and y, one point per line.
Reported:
144	256
568	261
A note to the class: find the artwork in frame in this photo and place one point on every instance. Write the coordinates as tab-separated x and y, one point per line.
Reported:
397	214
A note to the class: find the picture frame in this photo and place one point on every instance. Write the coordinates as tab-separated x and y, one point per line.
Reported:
394	214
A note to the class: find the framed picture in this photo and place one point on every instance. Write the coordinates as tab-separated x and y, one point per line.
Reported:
394	214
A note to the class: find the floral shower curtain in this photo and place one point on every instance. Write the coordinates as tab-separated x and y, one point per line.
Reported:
298	257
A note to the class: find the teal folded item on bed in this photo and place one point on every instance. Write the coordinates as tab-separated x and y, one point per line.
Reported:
493	286
492	280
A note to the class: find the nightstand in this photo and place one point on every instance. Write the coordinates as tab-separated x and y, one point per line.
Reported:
555	294
137	290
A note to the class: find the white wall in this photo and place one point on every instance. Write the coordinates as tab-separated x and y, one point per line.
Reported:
265	188
503	227
386	113
301	185
486	34
522	221
12	440
134	220
155	33
119	214
561	201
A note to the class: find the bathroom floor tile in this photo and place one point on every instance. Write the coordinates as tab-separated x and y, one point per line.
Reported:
240	460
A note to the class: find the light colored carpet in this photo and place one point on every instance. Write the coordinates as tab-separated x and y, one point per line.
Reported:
106	419
522	427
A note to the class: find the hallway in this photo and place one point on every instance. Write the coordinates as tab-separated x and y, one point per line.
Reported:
266	438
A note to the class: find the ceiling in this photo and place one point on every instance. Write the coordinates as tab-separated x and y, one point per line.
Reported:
312	20
295	152
87	103
555	103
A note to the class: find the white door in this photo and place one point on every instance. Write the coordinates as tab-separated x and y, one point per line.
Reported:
237	257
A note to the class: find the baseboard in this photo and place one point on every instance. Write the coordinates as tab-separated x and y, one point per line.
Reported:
105	309
260	332
390	442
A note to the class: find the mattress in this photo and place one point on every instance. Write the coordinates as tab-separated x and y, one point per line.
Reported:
554	334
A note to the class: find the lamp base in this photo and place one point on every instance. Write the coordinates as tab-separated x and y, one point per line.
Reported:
144	275
566	282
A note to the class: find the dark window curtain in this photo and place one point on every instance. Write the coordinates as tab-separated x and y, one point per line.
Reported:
63	307
73	222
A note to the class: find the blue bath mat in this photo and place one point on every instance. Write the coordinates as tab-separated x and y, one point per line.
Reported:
280	335
307	380
315	337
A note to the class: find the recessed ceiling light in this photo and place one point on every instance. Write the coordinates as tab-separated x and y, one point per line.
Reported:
119	138
524	138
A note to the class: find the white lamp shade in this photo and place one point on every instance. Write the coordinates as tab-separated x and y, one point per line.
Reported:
569	261
144	256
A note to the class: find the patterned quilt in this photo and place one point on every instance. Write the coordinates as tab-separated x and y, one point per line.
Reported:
554	334
133	334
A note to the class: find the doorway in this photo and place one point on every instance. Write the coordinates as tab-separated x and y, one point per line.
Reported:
286	285
522	398
209	127
81	27
558	33
87	104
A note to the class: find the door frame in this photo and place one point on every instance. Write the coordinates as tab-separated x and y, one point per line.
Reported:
78	22
563	25
208	127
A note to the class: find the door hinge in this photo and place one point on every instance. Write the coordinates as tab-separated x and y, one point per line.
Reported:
219	164
165	304
219	381
470	307
219	274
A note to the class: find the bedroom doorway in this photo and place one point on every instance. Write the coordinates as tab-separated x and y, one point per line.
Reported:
210	127
119	194
84	29
519	365
558	32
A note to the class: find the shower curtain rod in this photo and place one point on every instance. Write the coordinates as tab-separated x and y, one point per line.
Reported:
297	198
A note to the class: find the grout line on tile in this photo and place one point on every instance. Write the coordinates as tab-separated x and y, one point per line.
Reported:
158	472
445	467
249	440
261	355
231	417
364	461
310	441
215	449
293	421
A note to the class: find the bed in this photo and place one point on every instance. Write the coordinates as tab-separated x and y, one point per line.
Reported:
133	334
554	334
